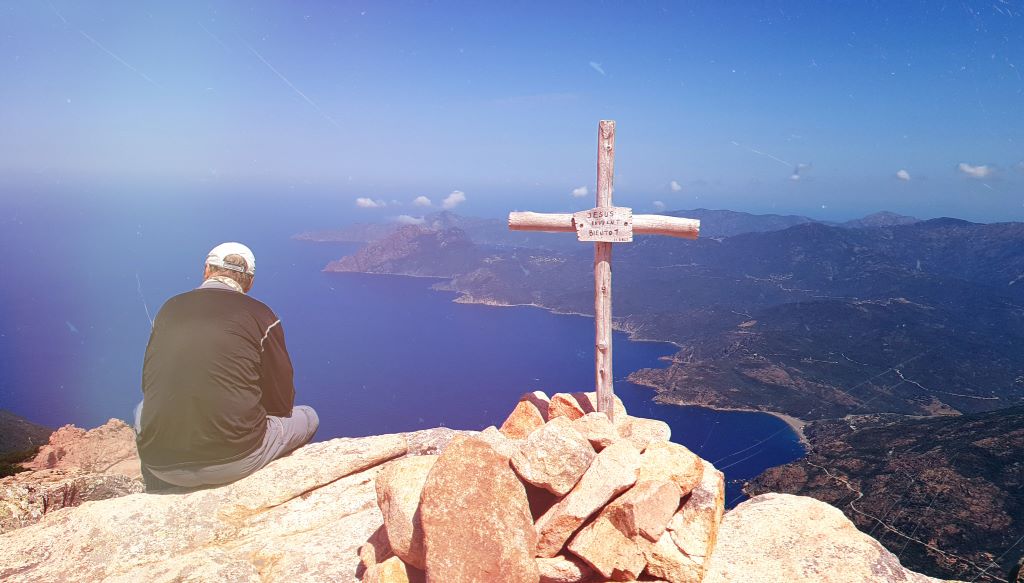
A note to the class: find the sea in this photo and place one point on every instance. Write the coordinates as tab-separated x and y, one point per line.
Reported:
82	274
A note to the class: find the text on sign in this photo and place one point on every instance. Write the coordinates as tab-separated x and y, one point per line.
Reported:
613	224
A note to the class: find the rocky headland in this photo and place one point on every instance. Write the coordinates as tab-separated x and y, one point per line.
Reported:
558	494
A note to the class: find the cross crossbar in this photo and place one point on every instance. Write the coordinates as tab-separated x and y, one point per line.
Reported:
605	225
642	224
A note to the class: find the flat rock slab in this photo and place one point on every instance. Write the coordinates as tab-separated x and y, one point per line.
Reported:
302	517
399	485
26	497
554	457
780	538
613	471
430	441
476	518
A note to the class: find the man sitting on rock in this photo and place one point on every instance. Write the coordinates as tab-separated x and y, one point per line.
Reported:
218	399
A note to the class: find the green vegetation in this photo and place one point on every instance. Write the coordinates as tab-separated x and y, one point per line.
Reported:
10	463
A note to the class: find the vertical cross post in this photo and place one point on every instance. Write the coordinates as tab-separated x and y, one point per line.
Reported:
603	273
603	226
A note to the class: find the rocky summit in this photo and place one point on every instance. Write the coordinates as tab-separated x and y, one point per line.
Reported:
560	494
75	466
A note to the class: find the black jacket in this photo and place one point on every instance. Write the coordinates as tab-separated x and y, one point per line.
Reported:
216	366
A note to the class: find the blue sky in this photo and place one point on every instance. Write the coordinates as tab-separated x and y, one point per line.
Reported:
828	109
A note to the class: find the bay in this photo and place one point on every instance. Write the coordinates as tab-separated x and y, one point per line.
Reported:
373	354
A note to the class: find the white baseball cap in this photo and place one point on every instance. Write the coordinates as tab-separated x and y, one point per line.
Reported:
218	253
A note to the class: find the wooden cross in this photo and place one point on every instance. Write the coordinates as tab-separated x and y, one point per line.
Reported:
604	225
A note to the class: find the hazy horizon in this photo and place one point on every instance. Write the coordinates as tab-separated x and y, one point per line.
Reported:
308	207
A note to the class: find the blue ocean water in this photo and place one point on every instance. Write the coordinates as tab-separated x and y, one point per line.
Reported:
373	354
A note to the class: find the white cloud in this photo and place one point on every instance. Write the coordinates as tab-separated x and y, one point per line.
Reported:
580	191
421	201
903	175
979	172
454	199
369	203
409	220
675	186
658	205
597	67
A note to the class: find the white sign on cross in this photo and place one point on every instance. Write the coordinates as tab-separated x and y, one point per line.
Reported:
604	225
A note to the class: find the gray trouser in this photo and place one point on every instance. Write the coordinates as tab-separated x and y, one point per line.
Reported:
284	435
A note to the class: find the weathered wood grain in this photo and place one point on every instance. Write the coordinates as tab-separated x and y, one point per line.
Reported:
603	273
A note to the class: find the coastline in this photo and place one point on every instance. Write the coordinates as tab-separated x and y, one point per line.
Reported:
795	423
467	298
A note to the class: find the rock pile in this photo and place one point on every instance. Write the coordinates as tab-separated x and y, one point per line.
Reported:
558	494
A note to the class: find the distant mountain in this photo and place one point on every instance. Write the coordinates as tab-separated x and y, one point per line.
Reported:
493	232
880	219
724	223
940	493
402	250
819	321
